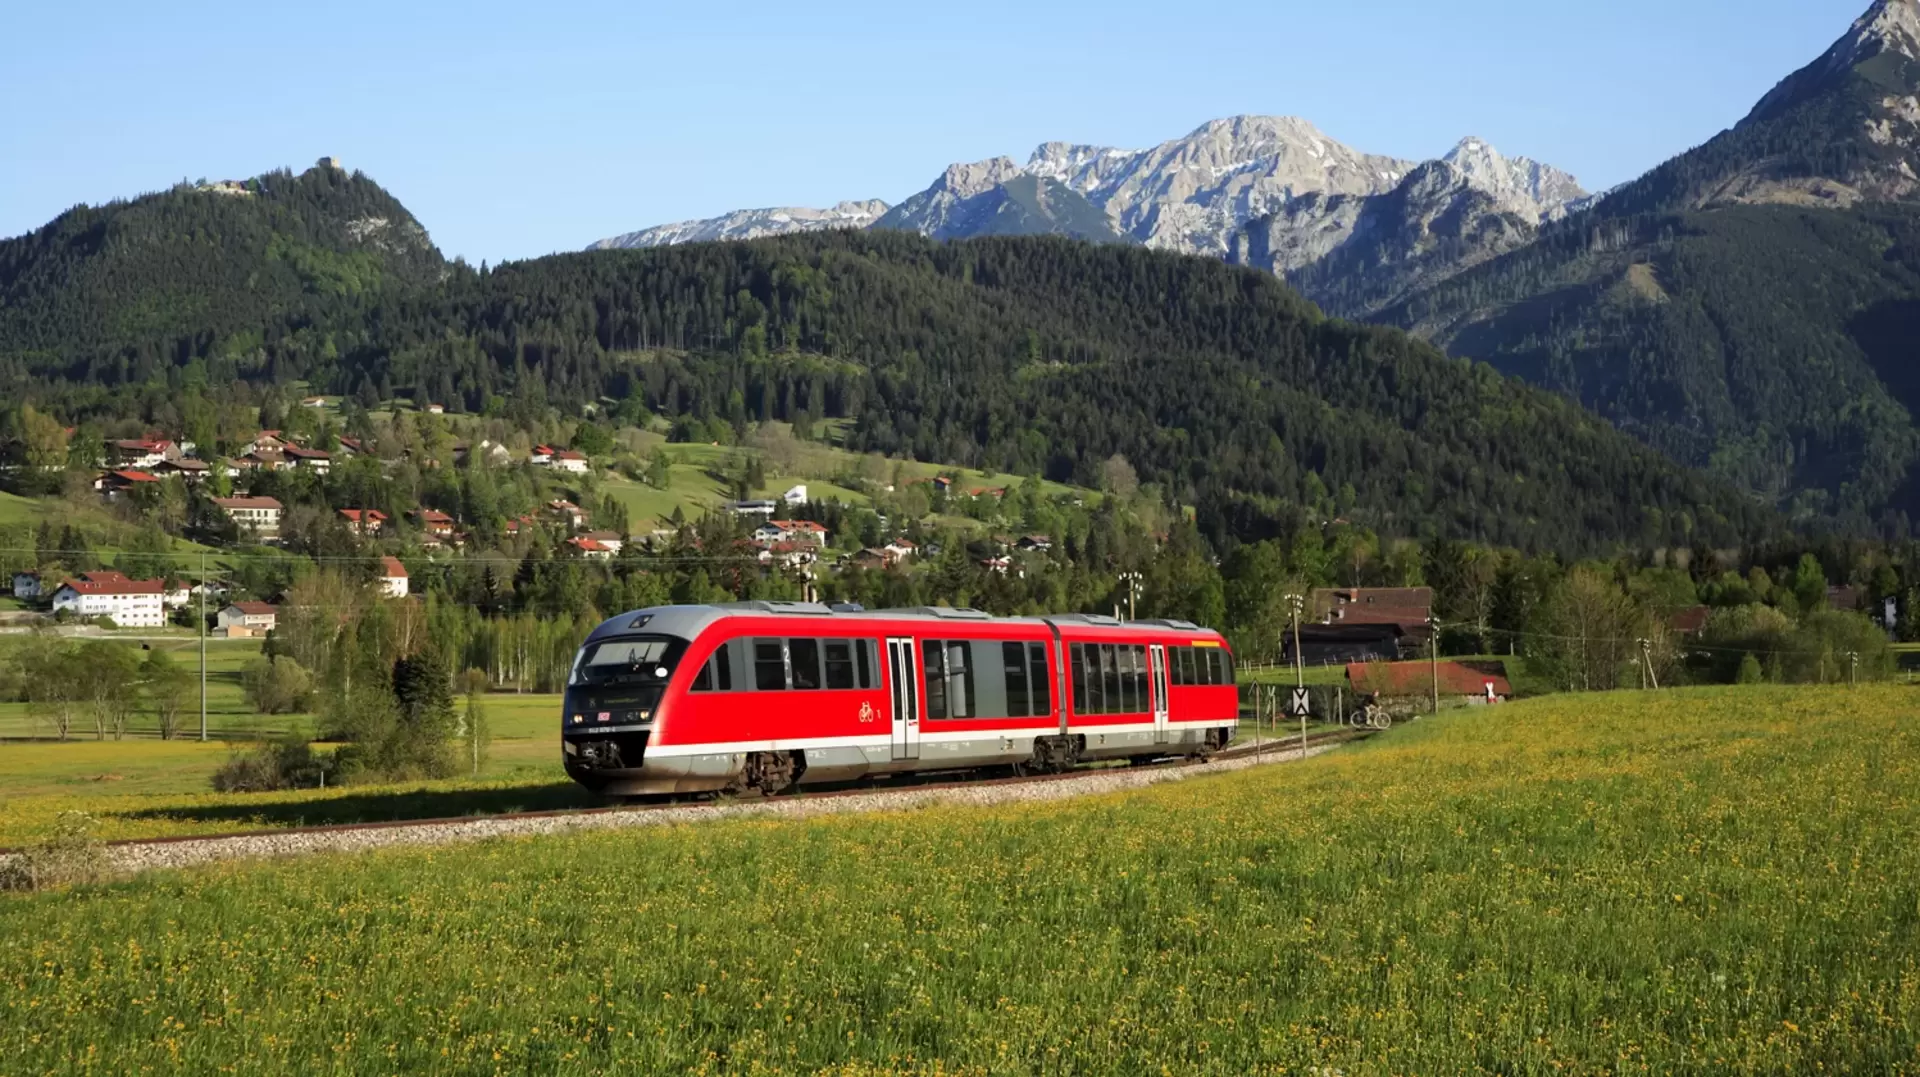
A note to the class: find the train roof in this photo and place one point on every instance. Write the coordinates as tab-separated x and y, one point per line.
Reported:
688	622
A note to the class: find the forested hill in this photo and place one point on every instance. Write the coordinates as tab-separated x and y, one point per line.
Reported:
1024	354
124	290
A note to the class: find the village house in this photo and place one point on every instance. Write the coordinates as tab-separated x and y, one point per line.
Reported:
364	522
243	620
131	603
393	578
313	460
612	540
351	447
1408	608
751	508
899	550
589	548
574	515
114	483
185	468
795	496
541	456
256	516
141	453
1035	544
436	409
999	565
433	522
314	402
869	558
803	531
26	585
267	441
568	460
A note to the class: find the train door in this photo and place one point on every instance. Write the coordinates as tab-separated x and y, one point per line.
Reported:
1161	712
904	675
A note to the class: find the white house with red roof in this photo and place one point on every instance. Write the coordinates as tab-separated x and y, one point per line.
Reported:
568	460
141	453
313	460
131	603
393	578
243	620
591	548
115	483
364	522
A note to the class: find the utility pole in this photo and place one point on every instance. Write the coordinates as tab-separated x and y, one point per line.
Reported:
1296	603
1643	663
1853	669
203	645
1646	670
1433	658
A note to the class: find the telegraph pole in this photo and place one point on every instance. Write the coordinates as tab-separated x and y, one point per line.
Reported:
1132	580
203	645
1433	658
1297	603
1853	669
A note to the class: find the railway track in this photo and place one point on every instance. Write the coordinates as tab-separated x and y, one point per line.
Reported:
136	854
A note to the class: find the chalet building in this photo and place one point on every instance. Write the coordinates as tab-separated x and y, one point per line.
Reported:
141	453
26	585
541	456
1035	544
1408	608
568	460
433	522
364	522
393	578
1338	645
115	483
899	550
185	468
751	508
804	531
244	620
313	460
574	515
351	447
591	549
256	516
131	603
614	541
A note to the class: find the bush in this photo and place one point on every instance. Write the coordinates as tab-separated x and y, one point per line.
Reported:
1750	672
288	763
277	685
67	857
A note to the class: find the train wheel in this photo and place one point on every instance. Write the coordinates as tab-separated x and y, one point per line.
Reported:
765	774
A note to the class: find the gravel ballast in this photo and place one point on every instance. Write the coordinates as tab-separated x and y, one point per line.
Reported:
145	856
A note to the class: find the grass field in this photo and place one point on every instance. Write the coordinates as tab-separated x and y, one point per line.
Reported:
152	788
228	713
1699	881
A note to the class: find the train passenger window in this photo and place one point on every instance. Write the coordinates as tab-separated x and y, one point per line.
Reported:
1182	664
1140	702
1111	701
839	656
769	665
1077	673
1013	657
803	655
949	668
1039	687
863	656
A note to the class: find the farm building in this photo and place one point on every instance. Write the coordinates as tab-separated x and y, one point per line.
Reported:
1340	644
1458	681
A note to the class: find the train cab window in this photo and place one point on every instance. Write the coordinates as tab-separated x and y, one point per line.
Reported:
803	656
716	673
769	665
1181	661
840	664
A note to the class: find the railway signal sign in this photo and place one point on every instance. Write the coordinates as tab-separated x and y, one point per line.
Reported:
1299	706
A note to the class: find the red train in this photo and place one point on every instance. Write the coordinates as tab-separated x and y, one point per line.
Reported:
760	696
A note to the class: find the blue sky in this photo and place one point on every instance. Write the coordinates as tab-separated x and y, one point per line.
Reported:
517	129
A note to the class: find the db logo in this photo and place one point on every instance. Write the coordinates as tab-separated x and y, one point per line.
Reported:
866	712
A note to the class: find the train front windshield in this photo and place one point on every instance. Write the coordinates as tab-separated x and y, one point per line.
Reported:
620	681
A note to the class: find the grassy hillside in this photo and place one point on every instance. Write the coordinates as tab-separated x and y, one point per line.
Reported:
1700	881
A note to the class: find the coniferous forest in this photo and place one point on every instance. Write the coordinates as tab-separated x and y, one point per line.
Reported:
1031	355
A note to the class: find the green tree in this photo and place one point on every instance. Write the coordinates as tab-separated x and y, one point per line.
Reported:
475	733
169	689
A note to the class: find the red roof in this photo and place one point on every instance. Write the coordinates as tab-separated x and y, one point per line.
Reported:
113	583
569	454
1416	679
434	516
587	545
135	476
257	609
392	569
1689	620
299	453
247	502
370	515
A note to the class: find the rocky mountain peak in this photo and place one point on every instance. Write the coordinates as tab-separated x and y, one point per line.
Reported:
1528	187
968	180
1888	27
